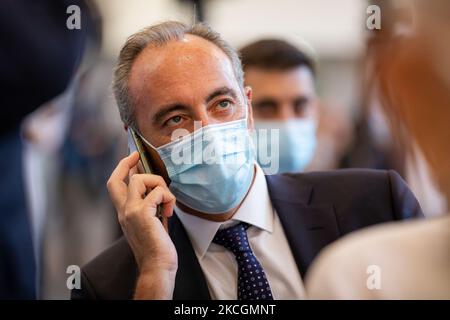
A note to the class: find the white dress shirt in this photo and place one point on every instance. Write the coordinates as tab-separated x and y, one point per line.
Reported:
266	238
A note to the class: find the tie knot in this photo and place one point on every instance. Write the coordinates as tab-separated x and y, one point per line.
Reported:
234	238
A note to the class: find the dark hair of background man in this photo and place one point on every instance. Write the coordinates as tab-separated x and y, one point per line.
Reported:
274	54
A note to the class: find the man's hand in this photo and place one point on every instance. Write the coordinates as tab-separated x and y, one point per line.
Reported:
136	205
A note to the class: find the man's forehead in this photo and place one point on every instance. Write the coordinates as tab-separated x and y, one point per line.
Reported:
265	81
191	54
301	71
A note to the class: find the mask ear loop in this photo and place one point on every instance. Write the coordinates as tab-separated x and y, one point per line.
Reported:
155	152
145	140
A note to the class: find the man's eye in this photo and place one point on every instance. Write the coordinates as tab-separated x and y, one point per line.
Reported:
174	121
224	104
300	105
266	107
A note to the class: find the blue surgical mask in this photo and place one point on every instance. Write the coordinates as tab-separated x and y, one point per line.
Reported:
296	144
212	168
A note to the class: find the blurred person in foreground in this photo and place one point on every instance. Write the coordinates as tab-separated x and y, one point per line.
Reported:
283	98
181	89
37	63
409	260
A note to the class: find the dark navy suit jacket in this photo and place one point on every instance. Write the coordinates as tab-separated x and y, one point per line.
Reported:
315	209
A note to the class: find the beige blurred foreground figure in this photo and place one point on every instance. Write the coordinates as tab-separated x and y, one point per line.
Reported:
409	260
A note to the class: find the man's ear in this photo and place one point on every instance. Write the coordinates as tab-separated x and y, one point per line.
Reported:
248	95
125	127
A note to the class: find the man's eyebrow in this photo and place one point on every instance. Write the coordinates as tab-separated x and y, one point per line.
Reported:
220	92
264	101
158	116
301	98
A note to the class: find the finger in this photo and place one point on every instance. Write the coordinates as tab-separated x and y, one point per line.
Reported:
116	184
136	169
163	197
141	184
124	167
133	171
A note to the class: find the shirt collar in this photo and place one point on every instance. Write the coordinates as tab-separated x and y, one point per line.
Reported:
256	210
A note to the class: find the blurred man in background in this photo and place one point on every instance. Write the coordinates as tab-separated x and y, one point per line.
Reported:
284	98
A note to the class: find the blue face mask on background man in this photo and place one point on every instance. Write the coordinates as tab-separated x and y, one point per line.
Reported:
212	168
296	144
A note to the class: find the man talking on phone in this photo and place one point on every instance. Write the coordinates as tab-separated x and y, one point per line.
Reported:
233	233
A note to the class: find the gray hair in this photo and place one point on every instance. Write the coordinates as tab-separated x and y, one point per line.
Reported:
159	35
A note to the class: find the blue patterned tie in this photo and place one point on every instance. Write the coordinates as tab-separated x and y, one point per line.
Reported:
252	281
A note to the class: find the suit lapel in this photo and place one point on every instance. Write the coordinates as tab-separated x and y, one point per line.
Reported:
308	227
190	282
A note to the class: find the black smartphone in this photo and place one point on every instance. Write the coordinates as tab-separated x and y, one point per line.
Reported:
135	143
